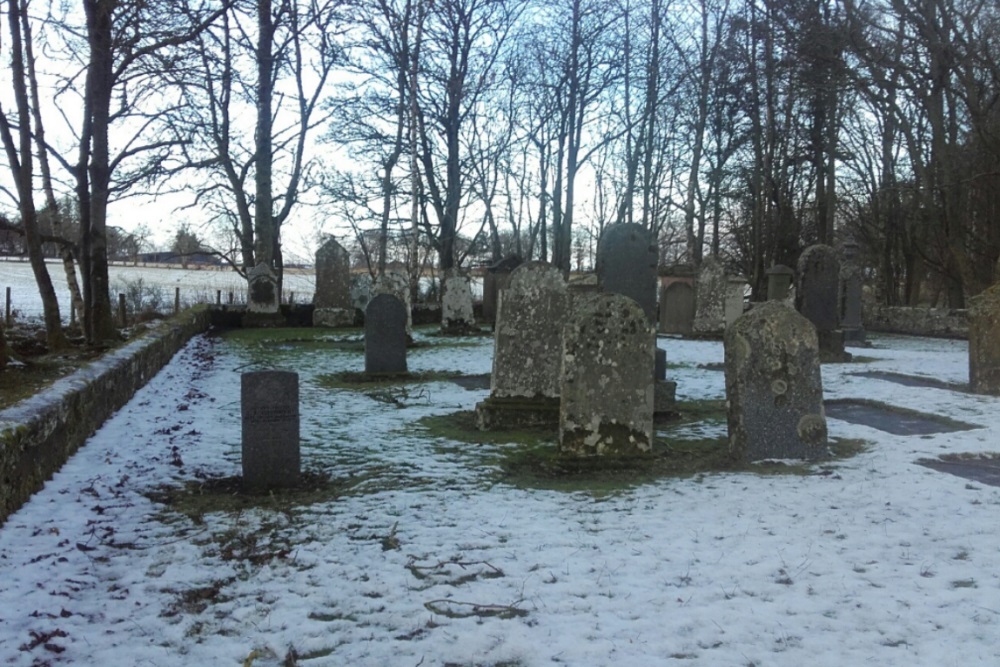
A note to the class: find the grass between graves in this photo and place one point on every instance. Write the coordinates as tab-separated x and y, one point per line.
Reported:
530	458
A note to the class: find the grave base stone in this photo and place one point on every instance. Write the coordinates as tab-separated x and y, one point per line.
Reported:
499	413
269	406
333	317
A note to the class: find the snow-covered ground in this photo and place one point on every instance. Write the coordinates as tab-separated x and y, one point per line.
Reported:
429	560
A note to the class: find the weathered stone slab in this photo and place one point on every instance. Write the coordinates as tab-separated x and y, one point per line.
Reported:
606	391
398	285
626	265
332	299
710	298
385	336
774	392
269	405
851	292
527	353
497	278
817	298
456	305
677	306
891	419
779	282
735	301
984	342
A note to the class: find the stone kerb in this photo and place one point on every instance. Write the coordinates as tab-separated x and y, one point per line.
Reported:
817	298
269	410
527	356
385	336
984	342
626	265
606	391
332	300
774	392
710	298
456	304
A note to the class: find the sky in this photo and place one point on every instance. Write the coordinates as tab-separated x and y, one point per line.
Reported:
429	557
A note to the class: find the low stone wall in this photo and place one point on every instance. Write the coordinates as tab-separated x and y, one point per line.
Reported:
39	434
939	322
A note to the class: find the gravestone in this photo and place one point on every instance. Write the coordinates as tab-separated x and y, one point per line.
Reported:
779	282
497	278
851	287
606	391
332	300
735	288
626	264
677	301
527	351
774	392
817	298
361	291
269	406
984	342
396	284
710	298
456	305
263	298
385	336
664	390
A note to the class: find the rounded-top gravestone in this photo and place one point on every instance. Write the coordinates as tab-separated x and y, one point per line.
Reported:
818	290
774	392
332	300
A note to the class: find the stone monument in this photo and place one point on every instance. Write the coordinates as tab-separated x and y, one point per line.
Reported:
269	406
851	289
457	317
626	265
606	391
779	282
385	336
263	298
677	300
527	353
774	392
817	297
495	280
984	342
332	301
710	298
396	284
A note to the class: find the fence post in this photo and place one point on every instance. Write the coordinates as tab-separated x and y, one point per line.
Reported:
6	317
121	310
177	300
218	297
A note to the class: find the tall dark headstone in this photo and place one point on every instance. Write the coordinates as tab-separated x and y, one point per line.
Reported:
774	392
496	279
398	285
664	390
851	287
269	406
385	336
332	301
984	342
817	298
626	265
606	393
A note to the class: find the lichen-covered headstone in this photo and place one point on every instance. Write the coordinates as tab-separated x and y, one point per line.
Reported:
606	391
710	298
851	290
626	264
527	351
984	342
396	284
269	406
774	392
385	336
456	304
332	300
779	282
817	298
497	278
